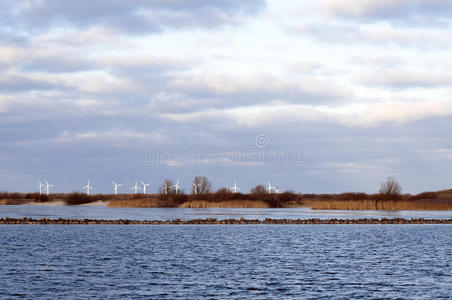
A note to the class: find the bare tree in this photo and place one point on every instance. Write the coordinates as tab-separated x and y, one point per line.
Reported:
165	188
390	189
258	189
204	186
224	189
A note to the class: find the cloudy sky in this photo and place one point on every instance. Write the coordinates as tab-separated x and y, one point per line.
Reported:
315	96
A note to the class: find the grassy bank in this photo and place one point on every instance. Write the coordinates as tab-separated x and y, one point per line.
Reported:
371	204
440	200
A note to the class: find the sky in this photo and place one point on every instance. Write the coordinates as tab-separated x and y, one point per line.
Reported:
314	96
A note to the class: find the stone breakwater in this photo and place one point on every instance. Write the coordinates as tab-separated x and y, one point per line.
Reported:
61	221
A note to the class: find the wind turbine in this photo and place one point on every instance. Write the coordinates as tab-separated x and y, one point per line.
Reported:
235	188
48	187
269	189
144	186
165	187
135	187
40	187
196	187
88	188
176	186
116	186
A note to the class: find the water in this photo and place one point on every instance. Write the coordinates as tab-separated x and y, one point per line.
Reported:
224	262
81	212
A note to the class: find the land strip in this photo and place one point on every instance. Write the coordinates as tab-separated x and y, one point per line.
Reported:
214	221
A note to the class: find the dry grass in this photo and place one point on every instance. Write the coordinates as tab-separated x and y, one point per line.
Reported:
225	204
440	200
77	198
374	204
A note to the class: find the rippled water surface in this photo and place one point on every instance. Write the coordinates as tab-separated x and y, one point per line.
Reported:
217	261
81	212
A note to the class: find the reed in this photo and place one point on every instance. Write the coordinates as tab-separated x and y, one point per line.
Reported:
375	204
223	198
225	204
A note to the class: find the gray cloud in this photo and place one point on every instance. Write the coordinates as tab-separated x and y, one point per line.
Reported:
18	83
53	63
70	147
405	78
133	16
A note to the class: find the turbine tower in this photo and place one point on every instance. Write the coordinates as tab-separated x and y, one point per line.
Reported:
88	188
135	187
144	186
196	187
269	189
235	188
40	187
48	187
176	186
116	186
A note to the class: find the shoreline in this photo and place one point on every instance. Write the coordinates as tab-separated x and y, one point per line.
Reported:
439	200
214	221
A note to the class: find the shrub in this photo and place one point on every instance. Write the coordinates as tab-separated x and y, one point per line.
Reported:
287	197
39	197
309	196
273	200
77	198
426	195
352	196
258	190
223	194
8	195
171	200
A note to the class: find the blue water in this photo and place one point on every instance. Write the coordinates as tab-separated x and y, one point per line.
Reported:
81	212
224	262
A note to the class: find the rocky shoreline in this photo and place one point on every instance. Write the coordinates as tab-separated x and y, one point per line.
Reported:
214	221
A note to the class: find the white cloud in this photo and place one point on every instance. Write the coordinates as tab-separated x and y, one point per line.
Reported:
398	112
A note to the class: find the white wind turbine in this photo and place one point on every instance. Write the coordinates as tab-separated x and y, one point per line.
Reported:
165	187
176	186
40	187
196	187
48	187
235	188
88	188
135	187
270	187
116	186
144	186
